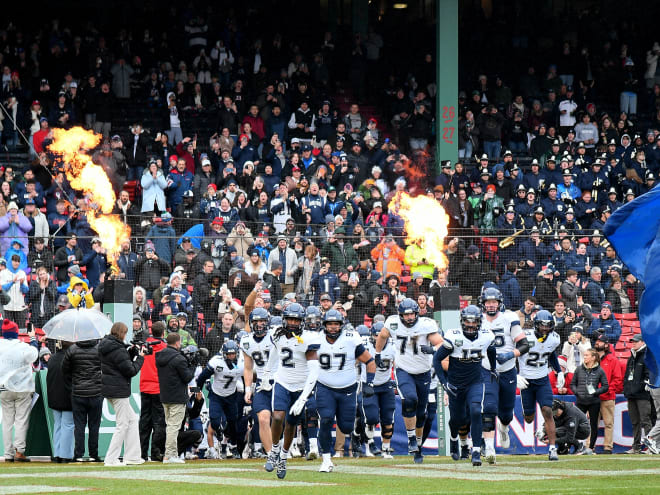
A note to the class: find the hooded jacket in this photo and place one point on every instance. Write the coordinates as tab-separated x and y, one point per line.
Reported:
117	368
636	376
16	360
82	366
149	373
174	374
82	299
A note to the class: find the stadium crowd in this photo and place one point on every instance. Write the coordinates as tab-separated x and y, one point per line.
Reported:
290	198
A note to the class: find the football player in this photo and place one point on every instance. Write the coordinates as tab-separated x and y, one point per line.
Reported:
336	390
510	343
312	324
414	339
379	408
466	348
533	380
256	351
226	370
294	362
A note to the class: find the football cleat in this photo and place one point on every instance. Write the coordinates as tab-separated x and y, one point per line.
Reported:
373	449
326	466
490	455
271	461
476	458
453	450
281	468
412	445
356	446
419	458
552	455
387	454
312	454
503	430
651	445
465	451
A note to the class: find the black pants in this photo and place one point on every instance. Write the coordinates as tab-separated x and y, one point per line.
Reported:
187	439
582	432
86	412
592	410
152	425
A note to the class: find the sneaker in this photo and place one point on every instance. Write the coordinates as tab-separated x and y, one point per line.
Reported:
271	461
134	462
339	453
419	458
465	451
114	463
632	451
490	456
212	453
281	468
326	466
312	454
651	445
173	460
476	458
235	454
552	455
190	456
580	450
387	454
373	448
453	449
20	457
503	430
294	451
412	445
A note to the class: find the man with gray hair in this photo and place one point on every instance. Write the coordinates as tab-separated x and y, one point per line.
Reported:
592	291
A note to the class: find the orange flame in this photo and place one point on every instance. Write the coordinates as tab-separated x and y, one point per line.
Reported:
426	225
73	146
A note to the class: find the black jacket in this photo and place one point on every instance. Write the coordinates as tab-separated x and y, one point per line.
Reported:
637	374
584	376
59	388
82	366
118	368
571	420
174	374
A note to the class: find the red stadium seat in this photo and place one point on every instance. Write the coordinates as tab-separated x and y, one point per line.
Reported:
131	187
629	316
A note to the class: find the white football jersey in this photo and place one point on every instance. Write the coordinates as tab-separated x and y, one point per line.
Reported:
506	329
292	363
224	376
258	351
407	343
465	349
384	373
337	361
534	363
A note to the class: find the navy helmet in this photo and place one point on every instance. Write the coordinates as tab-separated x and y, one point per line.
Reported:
408	307
363	331
544	324
230	347
295	312
471	321
491	294
332	315
313	319
259	320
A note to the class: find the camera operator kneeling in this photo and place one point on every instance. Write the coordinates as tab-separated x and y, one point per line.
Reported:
120	363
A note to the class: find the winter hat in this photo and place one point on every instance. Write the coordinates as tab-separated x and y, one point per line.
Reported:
9	329
44	351
74	270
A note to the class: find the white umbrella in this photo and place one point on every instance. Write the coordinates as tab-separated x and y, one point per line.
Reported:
77	325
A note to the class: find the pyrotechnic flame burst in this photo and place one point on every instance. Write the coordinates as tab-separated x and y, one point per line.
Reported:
425	222
73	146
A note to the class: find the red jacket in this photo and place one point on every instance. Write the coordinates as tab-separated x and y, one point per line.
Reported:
568	378
257	125
182	152
149	374
610	365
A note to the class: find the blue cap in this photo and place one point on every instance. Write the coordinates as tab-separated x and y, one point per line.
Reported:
29	201
166	217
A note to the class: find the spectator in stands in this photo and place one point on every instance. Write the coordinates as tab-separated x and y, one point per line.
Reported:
163	237
389	257
42	298
569	290
510	287
14	225
610	365
617	295
605	325
575	347
325	283
79	294
153	188
150	269
96	262
592	292
14	283
527	311
41	255
141	304
126	261
589	384
546	292
289	263
634	388
240	238
561	382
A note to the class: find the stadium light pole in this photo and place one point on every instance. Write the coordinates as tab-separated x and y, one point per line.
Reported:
446	114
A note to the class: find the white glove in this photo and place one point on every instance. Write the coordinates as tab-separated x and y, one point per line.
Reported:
298	407
522	382
246	410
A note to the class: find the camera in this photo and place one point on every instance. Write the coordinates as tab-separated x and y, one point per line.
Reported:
193	354
136	346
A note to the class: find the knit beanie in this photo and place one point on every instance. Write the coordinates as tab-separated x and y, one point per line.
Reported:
9	329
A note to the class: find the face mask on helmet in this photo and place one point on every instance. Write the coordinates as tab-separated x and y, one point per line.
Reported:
292	325
332	329
542	329
470	326
260	328
313	323
231	357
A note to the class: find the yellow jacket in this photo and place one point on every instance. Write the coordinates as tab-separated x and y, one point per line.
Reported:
83	299
414	257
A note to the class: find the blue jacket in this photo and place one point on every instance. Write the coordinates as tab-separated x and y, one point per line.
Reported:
181	182
153	191
240	156
593	294
316	205
511	293
164	239
96	264
127	264
11	251
611	326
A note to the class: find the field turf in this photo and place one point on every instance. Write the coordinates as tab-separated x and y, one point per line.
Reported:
512	474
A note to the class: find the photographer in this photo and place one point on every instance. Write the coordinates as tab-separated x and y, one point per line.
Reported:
174	374
152	415
118	365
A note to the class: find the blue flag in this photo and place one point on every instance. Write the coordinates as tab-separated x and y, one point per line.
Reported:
634	231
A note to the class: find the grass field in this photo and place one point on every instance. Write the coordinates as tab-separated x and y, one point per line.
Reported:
512	474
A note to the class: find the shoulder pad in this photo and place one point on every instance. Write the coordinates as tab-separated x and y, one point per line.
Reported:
348	334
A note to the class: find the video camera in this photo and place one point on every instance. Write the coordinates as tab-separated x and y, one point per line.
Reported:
193	354
136	345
